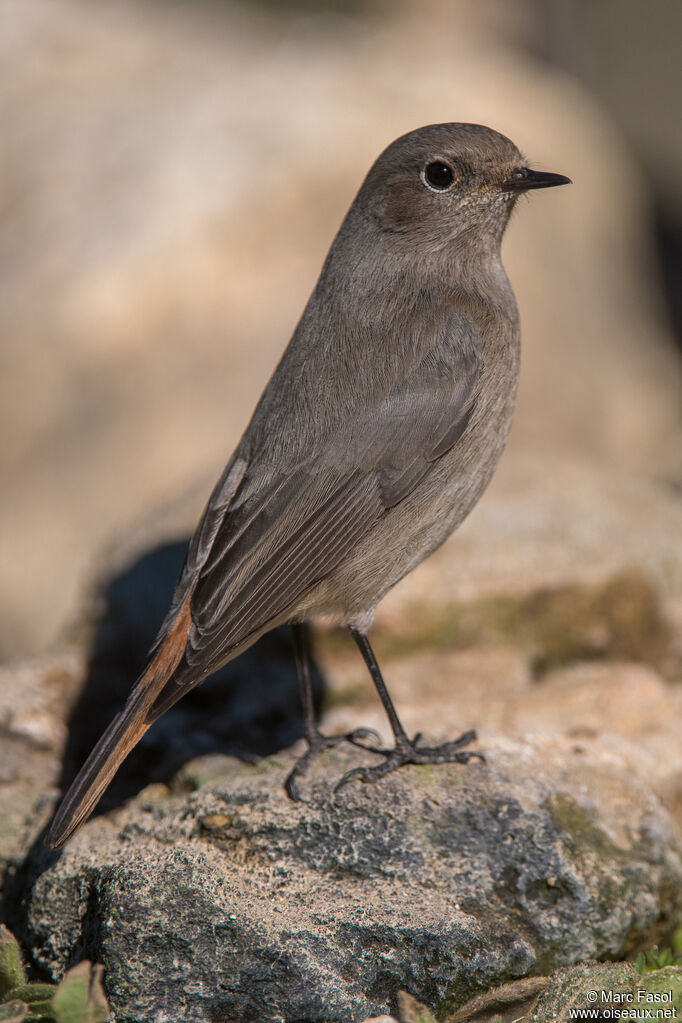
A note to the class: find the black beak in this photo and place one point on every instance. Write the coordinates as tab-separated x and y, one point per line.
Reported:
525	178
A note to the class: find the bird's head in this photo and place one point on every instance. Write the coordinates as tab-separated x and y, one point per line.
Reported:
445	182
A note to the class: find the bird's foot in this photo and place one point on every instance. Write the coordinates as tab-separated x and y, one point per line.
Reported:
317	744
408	751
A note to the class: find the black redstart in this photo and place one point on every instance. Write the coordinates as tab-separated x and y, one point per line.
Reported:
376	435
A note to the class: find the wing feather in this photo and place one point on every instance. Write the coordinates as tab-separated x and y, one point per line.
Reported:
288	526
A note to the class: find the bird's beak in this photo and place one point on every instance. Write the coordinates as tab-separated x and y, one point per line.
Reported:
524	178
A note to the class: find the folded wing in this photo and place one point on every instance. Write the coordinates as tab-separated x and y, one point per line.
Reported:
297	524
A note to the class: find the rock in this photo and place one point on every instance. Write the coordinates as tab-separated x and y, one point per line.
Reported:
590	988
35	701
513	999
233	903
609	988
624	712
545	521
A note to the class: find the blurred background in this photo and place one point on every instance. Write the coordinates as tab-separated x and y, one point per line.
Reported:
172	174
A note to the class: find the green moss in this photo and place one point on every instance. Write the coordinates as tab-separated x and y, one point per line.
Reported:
664	989
620	618
572	820
353	695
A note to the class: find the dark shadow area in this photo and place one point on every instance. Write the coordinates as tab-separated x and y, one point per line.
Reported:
668	238
16	889
249	709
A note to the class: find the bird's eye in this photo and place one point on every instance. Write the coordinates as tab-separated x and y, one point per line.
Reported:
439	175
520	175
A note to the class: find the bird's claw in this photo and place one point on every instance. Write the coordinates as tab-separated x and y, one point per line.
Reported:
360	733
317	744
409	752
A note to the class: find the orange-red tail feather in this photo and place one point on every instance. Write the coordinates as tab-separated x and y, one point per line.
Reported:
124	732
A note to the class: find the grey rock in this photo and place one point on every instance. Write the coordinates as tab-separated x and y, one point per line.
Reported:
233	904
551	999
586	988
35	699
610	987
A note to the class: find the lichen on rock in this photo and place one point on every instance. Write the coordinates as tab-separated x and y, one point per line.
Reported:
231	902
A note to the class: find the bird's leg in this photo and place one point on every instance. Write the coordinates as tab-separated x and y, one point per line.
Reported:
305	688
317	742
406	750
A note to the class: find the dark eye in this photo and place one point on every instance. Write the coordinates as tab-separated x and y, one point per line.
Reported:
439	175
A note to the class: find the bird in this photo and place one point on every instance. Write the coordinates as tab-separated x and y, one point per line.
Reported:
376	435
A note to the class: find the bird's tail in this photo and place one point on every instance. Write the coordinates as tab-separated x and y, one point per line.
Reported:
124	732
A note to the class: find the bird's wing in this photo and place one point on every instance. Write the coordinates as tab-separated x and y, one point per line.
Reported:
256	557
269	534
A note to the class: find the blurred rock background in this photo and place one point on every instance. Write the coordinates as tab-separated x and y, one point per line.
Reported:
172	175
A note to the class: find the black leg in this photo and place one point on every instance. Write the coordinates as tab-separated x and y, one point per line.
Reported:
378	679
317	742
302	655
405	751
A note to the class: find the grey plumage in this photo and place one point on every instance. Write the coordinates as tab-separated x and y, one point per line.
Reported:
377	433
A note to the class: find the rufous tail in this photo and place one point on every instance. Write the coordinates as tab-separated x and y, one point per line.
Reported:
124	732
